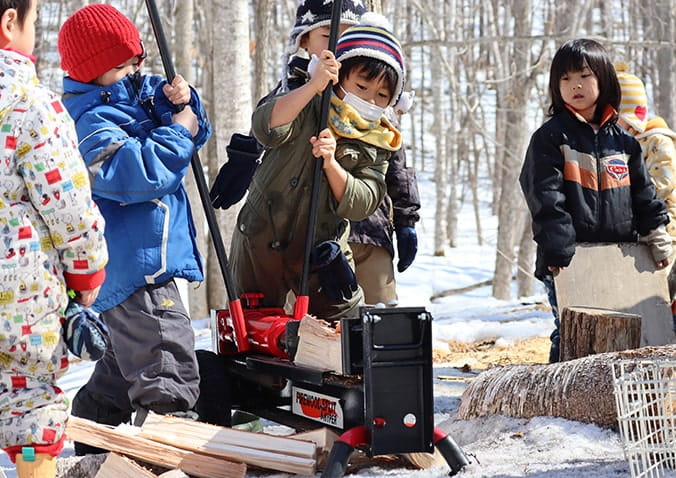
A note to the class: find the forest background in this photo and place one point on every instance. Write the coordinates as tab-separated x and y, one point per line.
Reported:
479	69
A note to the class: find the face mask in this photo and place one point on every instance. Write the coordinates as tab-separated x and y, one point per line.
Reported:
366	110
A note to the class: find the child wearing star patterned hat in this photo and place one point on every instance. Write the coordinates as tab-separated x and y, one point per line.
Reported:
313	19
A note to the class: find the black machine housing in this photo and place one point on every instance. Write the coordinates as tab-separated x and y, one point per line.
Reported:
386	384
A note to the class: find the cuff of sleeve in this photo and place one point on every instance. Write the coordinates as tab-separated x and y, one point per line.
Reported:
167	118
557	260
659	242
408	222
53	449
84	281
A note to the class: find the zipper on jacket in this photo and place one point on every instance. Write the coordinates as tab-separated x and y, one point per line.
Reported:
149	105
598	179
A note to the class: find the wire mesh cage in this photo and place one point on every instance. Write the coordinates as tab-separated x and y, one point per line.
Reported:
645	395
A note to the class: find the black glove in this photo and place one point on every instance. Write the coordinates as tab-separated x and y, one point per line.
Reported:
336	277
407	246
84	332
234	177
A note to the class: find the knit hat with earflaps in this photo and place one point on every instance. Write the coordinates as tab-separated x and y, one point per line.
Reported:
634	105
96	39
373	39
312	14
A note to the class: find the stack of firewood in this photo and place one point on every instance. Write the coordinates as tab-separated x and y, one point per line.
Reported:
199	449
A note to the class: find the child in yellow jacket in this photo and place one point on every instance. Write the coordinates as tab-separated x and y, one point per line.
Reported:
658	143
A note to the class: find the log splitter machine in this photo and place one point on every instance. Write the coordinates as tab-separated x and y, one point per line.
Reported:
382	402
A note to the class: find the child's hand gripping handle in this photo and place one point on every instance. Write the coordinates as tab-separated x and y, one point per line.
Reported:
235	306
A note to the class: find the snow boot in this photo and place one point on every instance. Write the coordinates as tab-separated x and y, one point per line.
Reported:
142	414
35	465
215	402
554	351
246	421
98	408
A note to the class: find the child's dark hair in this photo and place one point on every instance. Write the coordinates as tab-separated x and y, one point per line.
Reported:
21	7
372	68
575	55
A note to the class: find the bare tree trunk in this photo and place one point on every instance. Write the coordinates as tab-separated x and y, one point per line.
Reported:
525	281
456	141
261	51
665	31
375	5
474	189
440	134
511	203
183	54
231	64
500	111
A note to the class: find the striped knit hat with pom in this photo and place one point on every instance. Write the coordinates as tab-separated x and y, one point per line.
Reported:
373	39
634	104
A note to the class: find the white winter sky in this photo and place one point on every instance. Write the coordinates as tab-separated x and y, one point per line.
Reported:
497	446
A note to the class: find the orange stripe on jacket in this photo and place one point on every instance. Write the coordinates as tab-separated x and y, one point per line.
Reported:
585	178
579	168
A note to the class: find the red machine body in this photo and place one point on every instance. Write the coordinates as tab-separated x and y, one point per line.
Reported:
265	328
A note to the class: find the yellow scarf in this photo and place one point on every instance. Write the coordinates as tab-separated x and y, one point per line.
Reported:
345	122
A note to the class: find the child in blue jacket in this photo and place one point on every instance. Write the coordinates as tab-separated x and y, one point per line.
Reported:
137	149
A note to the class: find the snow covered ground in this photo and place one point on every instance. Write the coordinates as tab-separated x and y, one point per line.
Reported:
497	446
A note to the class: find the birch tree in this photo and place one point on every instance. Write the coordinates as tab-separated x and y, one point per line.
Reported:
515	101
230	83
183	52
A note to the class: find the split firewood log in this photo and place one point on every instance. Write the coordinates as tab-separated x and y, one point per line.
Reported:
117	465
580	389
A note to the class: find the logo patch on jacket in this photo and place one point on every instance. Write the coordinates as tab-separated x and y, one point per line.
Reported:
617	168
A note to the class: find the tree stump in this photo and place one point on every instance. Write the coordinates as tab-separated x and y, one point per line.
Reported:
580	389
588	331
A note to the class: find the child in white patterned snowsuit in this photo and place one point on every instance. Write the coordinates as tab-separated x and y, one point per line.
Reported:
52	240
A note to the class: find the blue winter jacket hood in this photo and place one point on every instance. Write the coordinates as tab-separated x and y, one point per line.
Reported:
137	159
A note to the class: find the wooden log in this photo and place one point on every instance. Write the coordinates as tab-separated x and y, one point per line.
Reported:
116	466
124	439
318	346
424	461
619	276
323	438
587	331
173	474
265	451
580	389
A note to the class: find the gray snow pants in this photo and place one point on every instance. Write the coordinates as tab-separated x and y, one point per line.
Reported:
151	363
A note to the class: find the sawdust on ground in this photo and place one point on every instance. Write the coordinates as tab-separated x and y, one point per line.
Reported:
487	353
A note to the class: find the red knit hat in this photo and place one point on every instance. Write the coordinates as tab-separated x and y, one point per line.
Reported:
95	39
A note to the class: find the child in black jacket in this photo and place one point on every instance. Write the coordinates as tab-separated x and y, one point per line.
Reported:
583	177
